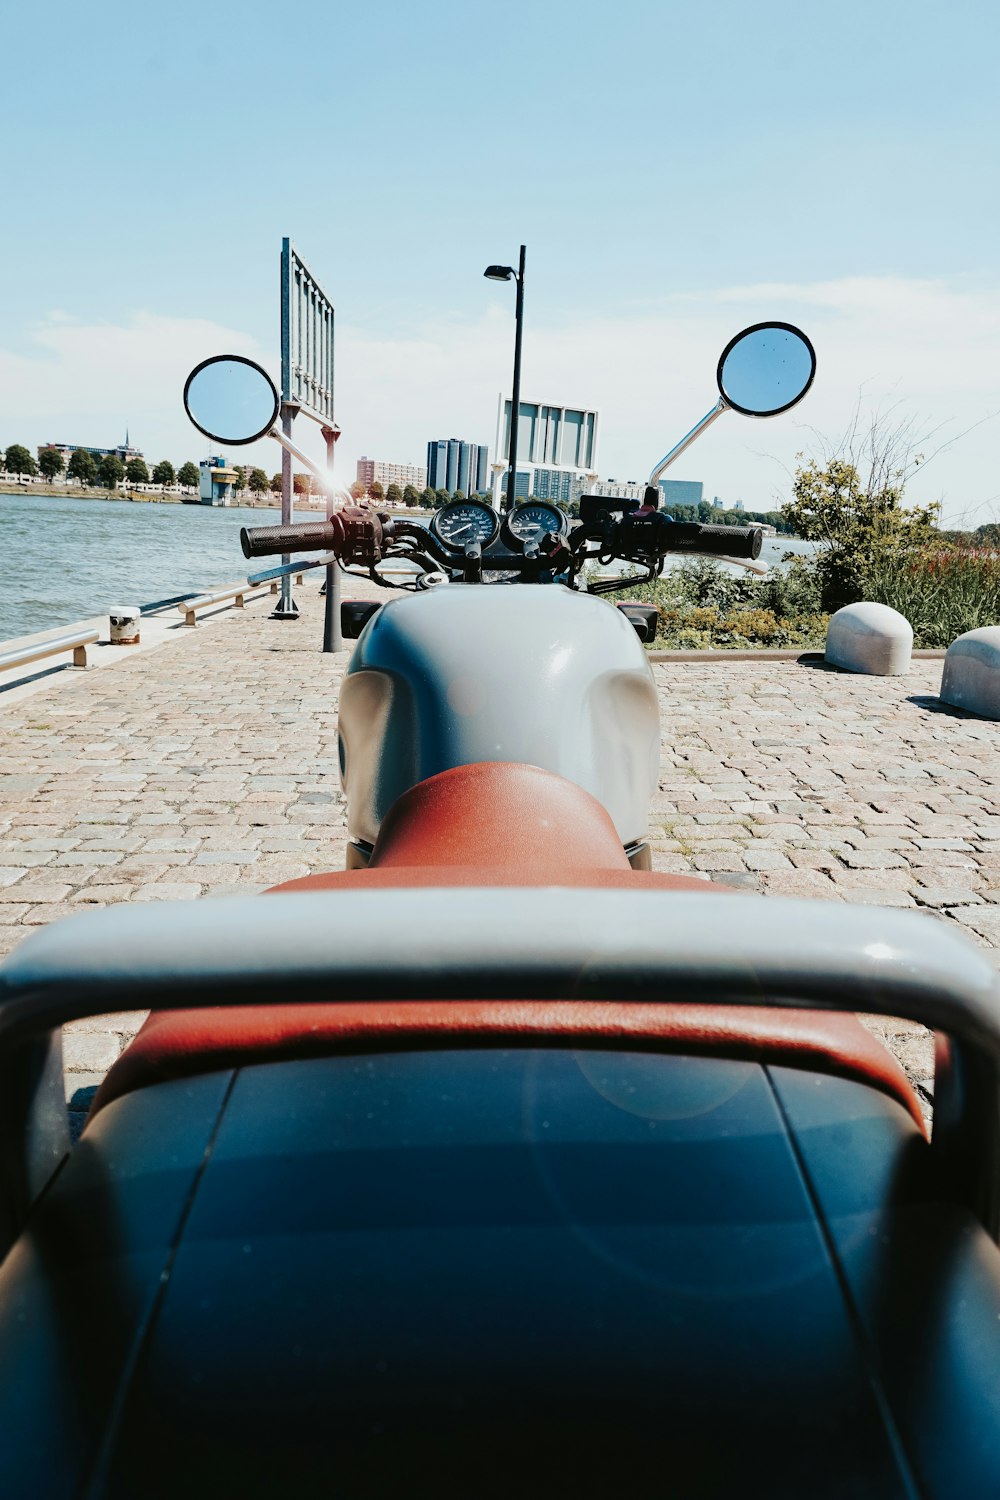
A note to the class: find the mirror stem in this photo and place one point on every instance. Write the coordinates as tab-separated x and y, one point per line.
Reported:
687	440
329	486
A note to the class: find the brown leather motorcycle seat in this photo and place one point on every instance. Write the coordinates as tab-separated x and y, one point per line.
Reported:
499	824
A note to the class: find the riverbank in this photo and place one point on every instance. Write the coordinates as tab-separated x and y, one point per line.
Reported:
135	496
81	492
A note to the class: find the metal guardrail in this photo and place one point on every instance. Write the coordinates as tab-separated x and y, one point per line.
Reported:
76	641
238	595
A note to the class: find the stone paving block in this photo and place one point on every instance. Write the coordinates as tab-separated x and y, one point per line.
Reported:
90	1051
766	859
936	895
861	880
167	890
718	862
225	857
871	897
91	858
106	895
33	891
122	1023
804	883
984	920
814	859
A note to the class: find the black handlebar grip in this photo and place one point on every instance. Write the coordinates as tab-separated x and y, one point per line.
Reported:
729	541
308	536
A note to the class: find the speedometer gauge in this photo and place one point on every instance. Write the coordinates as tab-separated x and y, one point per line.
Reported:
465	521
533	520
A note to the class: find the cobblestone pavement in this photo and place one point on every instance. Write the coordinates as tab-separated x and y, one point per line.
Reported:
208	767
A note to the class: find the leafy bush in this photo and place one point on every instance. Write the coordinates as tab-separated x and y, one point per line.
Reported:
859	523
702	608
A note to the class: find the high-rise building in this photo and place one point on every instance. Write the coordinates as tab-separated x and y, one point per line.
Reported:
375	470
561	485
683	492
455	465
554	440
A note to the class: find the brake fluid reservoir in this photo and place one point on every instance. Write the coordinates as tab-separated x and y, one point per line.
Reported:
536	674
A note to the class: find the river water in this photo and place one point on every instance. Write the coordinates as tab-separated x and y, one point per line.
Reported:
62	560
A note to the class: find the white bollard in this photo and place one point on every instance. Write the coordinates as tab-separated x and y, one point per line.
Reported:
870	638
124	620
971	676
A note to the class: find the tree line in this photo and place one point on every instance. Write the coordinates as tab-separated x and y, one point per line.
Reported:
107	472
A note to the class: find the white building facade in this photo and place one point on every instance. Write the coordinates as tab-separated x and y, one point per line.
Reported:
556	448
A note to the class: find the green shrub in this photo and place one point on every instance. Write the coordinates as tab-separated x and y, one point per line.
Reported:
701	608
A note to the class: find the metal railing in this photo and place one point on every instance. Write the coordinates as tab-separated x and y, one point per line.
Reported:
236	595
76	641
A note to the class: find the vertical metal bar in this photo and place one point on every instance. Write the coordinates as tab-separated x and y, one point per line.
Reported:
286	319
286	606
333	639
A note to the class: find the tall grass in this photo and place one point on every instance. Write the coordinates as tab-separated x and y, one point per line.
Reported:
942	591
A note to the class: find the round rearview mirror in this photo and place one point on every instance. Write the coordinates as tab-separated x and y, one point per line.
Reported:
766	369
231	400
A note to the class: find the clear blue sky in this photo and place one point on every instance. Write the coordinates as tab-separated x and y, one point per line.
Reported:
649	155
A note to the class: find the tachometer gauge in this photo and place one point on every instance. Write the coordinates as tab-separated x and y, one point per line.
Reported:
533	520
465	521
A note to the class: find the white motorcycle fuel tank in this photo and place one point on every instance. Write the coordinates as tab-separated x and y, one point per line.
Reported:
536	674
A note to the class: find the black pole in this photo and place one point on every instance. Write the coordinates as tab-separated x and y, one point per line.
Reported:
515	402
333	640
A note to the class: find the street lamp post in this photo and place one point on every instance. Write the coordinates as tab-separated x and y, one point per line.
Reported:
504	273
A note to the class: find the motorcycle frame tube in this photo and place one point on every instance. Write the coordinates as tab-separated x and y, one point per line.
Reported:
641	946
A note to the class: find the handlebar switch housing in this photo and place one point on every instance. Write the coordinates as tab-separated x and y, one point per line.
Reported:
362	537
592	507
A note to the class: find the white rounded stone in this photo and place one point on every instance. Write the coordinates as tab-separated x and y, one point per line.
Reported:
971	676
870	638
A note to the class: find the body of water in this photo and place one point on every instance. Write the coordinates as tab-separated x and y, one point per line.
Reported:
62	560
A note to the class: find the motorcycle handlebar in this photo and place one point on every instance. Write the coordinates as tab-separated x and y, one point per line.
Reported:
306	536
730	541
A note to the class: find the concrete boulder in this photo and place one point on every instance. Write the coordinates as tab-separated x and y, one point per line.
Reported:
971	677
870	638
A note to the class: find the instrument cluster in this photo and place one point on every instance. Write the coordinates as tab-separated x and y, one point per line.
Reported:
464	522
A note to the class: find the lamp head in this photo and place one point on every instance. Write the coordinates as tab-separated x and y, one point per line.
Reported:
499	273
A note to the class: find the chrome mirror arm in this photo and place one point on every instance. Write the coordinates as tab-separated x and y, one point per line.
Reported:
326	479
686	441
